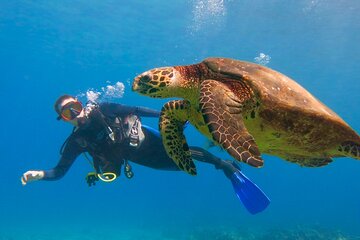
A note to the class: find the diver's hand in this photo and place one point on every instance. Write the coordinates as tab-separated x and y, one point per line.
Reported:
31	176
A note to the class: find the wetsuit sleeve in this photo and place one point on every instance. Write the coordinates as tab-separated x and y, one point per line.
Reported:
120	109
71	151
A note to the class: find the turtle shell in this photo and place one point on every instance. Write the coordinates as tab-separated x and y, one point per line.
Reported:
271	86
286	110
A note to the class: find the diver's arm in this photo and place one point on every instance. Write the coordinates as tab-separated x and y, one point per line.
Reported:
146	112
48	175
120	109
71	151
59	171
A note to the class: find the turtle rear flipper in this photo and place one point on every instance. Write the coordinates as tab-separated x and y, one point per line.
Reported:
221	110
350	149
171	123
309	161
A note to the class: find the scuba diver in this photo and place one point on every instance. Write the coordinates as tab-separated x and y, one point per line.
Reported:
112	134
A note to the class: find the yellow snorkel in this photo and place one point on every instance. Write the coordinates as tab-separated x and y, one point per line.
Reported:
107	177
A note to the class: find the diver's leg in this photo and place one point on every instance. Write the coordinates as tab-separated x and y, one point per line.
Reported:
205	156
151	152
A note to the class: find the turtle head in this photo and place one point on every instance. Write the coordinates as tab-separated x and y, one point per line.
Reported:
159	82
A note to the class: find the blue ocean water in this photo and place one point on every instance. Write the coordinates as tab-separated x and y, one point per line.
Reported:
48	48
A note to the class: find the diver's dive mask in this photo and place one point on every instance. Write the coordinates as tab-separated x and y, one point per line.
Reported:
70	110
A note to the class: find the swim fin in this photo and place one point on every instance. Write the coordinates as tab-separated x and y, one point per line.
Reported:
253	198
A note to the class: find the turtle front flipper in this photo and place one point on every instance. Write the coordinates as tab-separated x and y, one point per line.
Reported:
174	115
221	110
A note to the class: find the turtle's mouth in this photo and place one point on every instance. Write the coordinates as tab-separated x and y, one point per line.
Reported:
139	86
142	86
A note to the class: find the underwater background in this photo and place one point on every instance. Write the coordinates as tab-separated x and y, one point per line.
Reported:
49	48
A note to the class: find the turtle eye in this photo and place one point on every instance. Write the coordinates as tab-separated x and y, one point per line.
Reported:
145	79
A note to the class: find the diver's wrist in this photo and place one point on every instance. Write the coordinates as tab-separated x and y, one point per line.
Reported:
41	174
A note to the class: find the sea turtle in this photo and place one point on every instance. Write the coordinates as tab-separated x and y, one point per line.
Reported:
248	109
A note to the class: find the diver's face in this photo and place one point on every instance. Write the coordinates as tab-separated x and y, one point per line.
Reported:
72	111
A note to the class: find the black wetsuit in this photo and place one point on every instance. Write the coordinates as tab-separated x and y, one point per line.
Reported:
92	137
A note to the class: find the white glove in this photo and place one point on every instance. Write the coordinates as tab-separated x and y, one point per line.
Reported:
31	176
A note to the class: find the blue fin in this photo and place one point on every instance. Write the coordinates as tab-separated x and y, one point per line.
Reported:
253	198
